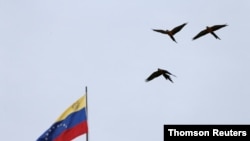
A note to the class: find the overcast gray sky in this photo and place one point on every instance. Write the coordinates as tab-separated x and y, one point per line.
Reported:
51	50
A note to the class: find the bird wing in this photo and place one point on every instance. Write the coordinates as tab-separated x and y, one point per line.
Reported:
168	77
216	27
178	28
202	33
153	75
160	31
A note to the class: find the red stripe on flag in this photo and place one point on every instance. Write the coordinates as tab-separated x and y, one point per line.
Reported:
73	132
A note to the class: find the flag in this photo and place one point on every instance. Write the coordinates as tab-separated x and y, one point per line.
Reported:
71	124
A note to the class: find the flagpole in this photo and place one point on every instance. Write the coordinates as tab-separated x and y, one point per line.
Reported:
86	91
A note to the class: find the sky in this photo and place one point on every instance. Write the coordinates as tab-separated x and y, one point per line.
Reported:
50	50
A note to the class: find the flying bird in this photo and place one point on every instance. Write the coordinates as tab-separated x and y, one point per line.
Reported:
159	72
210	30
172	32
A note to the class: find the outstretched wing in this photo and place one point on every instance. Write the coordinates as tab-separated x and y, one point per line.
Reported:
160	31
168	77
153	75
202	33
216	27
178	28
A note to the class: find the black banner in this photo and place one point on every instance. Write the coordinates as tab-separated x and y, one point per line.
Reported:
206	131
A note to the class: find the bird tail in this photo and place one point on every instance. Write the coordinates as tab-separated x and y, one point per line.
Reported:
215	35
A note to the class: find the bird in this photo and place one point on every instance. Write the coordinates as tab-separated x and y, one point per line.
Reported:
210	30
159	72
172	32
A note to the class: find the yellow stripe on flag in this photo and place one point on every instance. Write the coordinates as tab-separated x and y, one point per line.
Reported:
76	106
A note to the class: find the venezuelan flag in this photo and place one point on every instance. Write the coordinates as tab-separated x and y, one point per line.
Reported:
71	124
